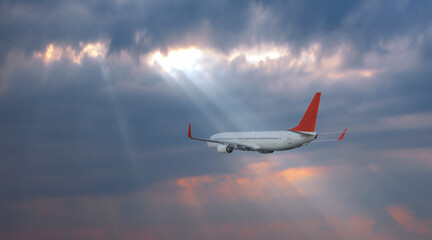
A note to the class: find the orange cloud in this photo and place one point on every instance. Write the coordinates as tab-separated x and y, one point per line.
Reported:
354	227
190	185
263	183
296	174
55	53
259	181
407	220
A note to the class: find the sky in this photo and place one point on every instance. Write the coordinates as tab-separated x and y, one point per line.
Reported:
96	98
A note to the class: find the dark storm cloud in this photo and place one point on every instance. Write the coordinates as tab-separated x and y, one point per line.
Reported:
32	25
70	135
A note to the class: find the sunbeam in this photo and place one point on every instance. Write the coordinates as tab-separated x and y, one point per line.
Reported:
189	68
177	60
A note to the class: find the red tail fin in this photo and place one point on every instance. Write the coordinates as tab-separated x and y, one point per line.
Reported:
307	124
189	133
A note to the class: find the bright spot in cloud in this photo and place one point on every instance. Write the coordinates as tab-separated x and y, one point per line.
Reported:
52	53
259	54
282	67
93	50
182	59
55	53
295	174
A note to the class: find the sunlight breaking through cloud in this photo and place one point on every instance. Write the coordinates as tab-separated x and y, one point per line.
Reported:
307	65
54	52
193	71
182	60
259	54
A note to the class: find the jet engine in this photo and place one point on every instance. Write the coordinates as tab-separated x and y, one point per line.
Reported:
224	148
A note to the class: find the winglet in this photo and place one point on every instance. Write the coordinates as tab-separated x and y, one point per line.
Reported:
343	135
307	124
189	133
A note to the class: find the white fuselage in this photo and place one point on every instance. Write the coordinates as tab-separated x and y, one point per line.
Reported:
266	140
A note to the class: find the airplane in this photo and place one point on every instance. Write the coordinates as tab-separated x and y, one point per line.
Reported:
270	141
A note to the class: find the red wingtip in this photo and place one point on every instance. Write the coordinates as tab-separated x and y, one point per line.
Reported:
307	124
189	133
343	134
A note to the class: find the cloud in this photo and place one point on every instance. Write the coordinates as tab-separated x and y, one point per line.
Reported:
421	120
135	26
55	53
263	199
397	123
96	98
407	220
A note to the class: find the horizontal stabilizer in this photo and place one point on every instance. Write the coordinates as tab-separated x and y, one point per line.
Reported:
332	139
343	135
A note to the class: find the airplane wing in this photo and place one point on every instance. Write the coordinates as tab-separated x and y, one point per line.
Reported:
236	146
